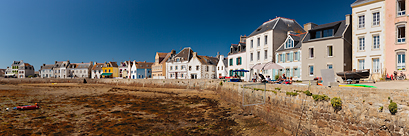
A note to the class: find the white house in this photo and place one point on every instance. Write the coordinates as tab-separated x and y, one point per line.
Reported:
134	74
265	40
96	70
237	59
80	70
25	70
46	71
222	67
176	66
202	67
60	69
368	36
124	68
288	55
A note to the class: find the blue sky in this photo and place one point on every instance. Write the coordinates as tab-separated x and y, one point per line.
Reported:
44	31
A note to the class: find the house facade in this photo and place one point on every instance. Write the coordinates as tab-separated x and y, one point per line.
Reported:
237	59
202	67
396	21
60	69
2	72
124	68
368	36
80	70
176	66
327	46
96	70
265	40
110	70
288	55
25	70
15	67
222	67
159	67
46	71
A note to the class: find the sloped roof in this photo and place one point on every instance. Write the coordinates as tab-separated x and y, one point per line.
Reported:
297	41
98	66
278	23
186	54
225	61
339	28
358	2
47	66
206	60
143	65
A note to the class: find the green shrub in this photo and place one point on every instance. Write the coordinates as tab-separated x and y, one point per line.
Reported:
276	77
390	101
278	88
221	83
291	93
308	93
317	97
389	98
272	91
393	107
363	101
258	89
336	102
381	108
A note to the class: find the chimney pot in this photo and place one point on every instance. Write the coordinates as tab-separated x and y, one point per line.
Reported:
309	26
347	19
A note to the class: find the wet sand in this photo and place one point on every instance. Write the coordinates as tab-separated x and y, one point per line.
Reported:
97	109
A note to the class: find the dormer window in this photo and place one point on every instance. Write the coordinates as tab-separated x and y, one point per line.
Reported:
289	43
324	33
177	59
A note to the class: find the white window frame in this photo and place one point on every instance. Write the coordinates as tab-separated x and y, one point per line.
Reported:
399	11
251	43
251	56
361	21
399	38
330	64
361	43
402	65
266	39
376	65
376	18
311	73
361	64
265	54
376	41
258	55
311	53
332	51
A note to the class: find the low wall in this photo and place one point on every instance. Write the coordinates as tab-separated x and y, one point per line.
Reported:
297	115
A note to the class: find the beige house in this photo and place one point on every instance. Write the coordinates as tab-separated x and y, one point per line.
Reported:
159	67
327	46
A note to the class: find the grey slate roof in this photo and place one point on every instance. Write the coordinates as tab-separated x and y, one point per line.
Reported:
47	66
297	42
339	28
237	48
278	23
98	66
185	55
225	62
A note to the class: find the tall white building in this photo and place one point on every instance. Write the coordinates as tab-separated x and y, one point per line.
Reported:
176	66
237	59
222	67
368	36
265	40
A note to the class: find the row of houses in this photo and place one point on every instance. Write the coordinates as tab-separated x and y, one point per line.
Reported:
373	38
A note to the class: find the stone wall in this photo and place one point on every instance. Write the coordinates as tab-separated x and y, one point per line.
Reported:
296	115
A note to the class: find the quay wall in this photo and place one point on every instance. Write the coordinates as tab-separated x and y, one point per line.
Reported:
294	115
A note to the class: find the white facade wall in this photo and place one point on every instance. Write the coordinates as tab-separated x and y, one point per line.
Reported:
96	74
179	73
133	71
294	66
368	32
221	68
195	73
253	50
234	65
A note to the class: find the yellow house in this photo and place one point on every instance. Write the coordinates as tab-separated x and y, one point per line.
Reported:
110	70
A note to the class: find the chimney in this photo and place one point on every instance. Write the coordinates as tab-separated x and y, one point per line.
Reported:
55	62
82	62
348	19
221	58
43	64
173	52
243	38
194	54
309	26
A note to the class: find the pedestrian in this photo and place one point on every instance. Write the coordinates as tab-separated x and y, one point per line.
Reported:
255	77
395	74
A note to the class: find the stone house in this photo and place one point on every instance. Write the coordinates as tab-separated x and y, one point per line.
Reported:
159	67
176	65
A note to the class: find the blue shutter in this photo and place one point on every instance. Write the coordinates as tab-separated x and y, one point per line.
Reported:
291	57
276	58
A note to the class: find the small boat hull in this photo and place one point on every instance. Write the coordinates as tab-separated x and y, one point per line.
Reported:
354	75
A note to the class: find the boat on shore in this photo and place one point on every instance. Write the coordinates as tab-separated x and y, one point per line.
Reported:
354	75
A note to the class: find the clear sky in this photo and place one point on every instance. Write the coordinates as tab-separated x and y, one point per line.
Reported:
44	31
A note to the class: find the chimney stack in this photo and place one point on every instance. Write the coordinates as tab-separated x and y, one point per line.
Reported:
243	38
348	19
173	52
309	26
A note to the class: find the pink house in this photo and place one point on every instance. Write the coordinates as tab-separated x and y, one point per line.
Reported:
396	20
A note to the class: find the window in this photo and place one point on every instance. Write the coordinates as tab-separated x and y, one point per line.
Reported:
401	33
177	60
230	62
297	56
401	7
197	67
265	54
265	39
361	20
251	56
329	51
283	57
328	33
182	67
287	56
171	68
376	19
289	43
311	51
361	63
296	72
311	70
251	43
329	66
190	68
318	34
258	41
218	68
376	42
258	55
238	61
361	43
375	65
401	64
207	68
278	57
176	67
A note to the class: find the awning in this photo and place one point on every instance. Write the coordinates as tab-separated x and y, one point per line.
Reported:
106	74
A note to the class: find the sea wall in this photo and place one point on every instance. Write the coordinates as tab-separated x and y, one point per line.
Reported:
295	115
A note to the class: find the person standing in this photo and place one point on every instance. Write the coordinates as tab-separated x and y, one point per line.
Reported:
255	77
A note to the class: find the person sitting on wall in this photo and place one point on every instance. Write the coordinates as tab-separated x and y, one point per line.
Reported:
284	77
268	79
262	79
387	77
395	74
